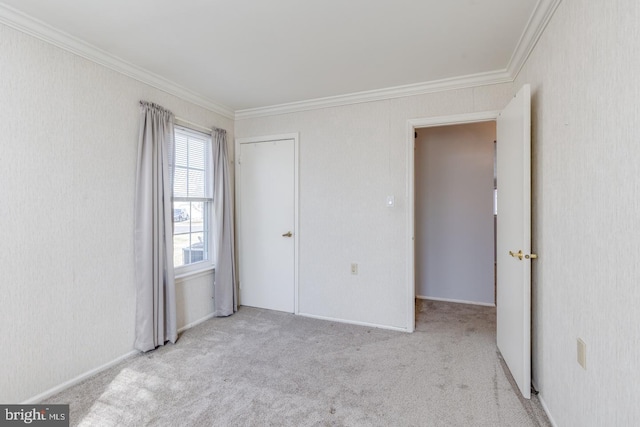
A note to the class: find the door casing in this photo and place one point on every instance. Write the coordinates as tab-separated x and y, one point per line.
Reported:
296	237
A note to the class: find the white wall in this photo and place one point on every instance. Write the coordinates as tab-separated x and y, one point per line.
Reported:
68	151
586	199
454	222
67	161
351	159
586	189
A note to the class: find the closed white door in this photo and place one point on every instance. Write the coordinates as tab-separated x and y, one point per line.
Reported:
513	238
265	174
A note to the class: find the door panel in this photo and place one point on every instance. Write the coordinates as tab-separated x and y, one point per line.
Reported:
266	212
513	234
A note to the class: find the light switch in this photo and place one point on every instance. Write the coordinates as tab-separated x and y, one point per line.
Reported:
391	201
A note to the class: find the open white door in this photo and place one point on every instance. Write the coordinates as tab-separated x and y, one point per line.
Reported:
513	238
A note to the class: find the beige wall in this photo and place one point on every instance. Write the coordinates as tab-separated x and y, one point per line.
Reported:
586	192
454	221
67	166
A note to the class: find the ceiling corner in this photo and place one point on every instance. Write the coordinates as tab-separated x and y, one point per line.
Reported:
40	30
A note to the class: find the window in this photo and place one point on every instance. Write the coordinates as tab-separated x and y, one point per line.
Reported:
192	201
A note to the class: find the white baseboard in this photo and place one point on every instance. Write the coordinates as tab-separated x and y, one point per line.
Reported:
457	301
544	405
197	322
546	410
57	389
353	322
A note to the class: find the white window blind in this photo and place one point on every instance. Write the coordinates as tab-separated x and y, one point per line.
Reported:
192	201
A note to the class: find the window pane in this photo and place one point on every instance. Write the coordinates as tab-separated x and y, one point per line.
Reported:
196	183
190	232
180	182
181	213
181	150
180	242
197	248
197	153
197	216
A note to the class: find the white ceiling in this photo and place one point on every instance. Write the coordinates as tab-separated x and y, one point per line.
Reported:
251	54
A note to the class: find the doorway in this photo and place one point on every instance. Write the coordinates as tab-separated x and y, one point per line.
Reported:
413	126
513	230
454	213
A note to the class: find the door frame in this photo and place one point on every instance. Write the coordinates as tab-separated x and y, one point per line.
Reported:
296	183
412	125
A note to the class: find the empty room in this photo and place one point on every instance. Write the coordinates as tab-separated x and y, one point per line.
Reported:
248	213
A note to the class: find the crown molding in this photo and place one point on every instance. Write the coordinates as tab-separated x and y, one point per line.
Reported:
36	28
538	21
463	82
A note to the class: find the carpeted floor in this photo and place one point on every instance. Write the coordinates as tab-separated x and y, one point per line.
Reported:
265	368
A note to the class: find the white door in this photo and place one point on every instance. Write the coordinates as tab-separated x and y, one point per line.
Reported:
265	174
513	232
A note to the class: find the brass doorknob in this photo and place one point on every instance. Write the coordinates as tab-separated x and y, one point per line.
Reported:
287	234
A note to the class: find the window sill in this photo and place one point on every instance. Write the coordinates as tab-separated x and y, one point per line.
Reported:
193	274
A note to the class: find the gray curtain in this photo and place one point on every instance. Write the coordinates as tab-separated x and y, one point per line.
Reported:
224	286
155	286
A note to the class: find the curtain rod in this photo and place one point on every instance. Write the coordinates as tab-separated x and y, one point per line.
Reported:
195	125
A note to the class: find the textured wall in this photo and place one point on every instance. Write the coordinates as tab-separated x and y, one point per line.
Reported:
68	151
586	190
351	159
454	212
67	162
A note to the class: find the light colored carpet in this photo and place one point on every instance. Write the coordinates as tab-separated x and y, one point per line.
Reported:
264	368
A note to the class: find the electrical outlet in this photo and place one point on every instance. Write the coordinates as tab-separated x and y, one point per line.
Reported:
582	353
354	268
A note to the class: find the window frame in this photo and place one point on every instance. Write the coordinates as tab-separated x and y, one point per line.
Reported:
208	215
